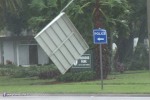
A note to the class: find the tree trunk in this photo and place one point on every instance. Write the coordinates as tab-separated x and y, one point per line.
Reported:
98	23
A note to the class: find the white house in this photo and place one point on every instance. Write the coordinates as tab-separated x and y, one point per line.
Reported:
22	50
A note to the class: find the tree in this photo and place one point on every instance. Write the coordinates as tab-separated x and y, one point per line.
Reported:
108	14
116	16
113	16
43	11
8	6
138	24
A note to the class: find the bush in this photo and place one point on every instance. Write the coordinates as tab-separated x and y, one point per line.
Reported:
20	72
80	76
33	71
6	70
43	72
47	72
140	60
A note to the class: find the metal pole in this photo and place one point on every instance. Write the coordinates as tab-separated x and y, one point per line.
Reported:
66	6
101	66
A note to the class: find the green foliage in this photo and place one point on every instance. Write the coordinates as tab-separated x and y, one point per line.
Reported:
37	13
6	70
10	8
116	14
138	29
14	23
43	11
75	77
11	5
20	72
131	82
43	72
140	59
48	72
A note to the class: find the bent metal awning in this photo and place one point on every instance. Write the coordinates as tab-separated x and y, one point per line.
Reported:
62	42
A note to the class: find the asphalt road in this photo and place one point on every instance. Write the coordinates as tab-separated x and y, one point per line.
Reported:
74	98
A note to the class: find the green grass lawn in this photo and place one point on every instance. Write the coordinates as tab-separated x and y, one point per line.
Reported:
129	82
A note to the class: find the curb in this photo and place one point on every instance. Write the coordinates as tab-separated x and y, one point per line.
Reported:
105	95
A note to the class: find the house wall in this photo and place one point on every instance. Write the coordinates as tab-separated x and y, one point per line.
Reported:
8	51
42	57
15	43
23	54
19	54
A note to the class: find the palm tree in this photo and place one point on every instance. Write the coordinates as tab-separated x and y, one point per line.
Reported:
83	14
8	6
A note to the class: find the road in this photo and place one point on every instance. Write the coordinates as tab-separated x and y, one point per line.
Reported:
73	98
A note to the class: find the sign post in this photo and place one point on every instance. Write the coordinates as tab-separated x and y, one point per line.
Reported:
100	37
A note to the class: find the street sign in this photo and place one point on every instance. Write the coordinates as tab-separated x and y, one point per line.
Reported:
100	36
62	42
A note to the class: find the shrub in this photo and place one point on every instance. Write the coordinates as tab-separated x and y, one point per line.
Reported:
43	72
47	72
140	60
33	71
74	77
20	72
6	70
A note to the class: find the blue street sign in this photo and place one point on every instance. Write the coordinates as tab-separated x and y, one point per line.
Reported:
100	36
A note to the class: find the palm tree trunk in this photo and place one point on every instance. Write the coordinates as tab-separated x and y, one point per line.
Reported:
98	23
